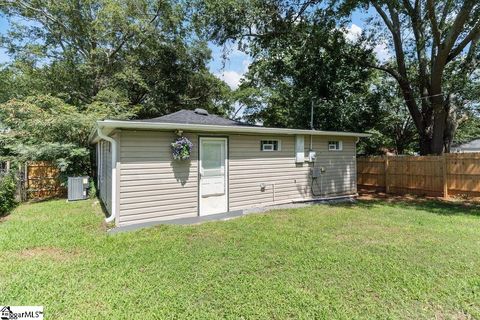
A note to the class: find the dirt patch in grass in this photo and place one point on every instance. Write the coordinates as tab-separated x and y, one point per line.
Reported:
4	218
434	204
457	315
50	253
207	235
375	195
454	199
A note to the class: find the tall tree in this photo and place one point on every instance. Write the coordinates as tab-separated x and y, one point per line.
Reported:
434	63
385	113
311	64
142	51
435	46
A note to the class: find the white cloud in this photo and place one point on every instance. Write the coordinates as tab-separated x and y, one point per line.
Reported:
353	32
246	64
381	50
232	78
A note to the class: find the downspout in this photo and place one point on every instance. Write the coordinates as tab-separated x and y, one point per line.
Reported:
99	163
114	174
356	174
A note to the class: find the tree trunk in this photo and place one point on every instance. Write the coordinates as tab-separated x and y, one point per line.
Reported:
451	125
425	143
439	126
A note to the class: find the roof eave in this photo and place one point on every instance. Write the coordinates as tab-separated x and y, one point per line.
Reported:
116	124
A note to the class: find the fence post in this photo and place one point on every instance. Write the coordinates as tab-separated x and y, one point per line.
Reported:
19	181
26	185
387	189
445	176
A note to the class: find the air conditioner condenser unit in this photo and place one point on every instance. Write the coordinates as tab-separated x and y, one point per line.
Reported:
77	188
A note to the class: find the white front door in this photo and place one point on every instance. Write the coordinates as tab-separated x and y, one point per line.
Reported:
213	169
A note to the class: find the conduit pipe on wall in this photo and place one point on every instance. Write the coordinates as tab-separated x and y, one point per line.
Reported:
114	174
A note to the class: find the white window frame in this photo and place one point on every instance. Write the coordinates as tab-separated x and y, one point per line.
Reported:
265	142
335	145
299	149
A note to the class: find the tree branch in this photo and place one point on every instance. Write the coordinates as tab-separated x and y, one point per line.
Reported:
433	22
25	5
474	33
384	16
129	36
304	7
445	12
415	15
386	69
457	27
445	47
393	24
470	62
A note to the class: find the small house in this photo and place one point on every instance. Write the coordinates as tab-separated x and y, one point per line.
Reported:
192	164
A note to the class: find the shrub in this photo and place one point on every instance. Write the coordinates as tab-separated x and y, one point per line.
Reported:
7	194
92	190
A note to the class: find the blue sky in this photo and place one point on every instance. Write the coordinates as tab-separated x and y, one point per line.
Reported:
3	29
232	69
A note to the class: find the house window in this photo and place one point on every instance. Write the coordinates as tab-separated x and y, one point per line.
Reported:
335	145
270	145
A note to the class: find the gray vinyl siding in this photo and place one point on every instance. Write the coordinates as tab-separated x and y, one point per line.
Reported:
105	175
154	187
340	176
285	180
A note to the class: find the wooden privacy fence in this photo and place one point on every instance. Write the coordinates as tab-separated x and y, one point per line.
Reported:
41	180
454	173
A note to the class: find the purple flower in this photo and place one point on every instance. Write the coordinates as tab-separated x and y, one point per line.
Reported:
181	148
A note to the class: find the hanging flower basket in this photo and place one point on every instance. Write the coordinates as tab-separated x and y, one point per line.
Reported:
181	149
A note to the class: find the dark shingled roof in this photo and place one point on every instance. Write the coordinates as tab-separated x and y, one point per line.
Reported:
194	117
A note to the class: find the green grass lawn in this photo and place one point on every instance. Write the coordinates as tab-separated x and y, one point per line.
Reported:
373	259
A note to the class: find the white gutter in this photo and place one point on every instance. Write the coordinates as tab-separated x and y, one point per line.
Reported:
113	124
114	174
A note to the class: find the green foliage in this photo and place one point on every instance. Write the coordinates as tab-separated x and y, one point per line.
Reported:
303	60
78	62
384	115
140	55
8	189
111	104
382	142
375	144
436	68
468	130
469	123
46	118
68	157
310	63
299	56
46	128
92	189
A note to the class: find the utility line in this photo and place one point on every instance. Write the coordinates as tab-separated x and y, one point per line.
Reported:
436	95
